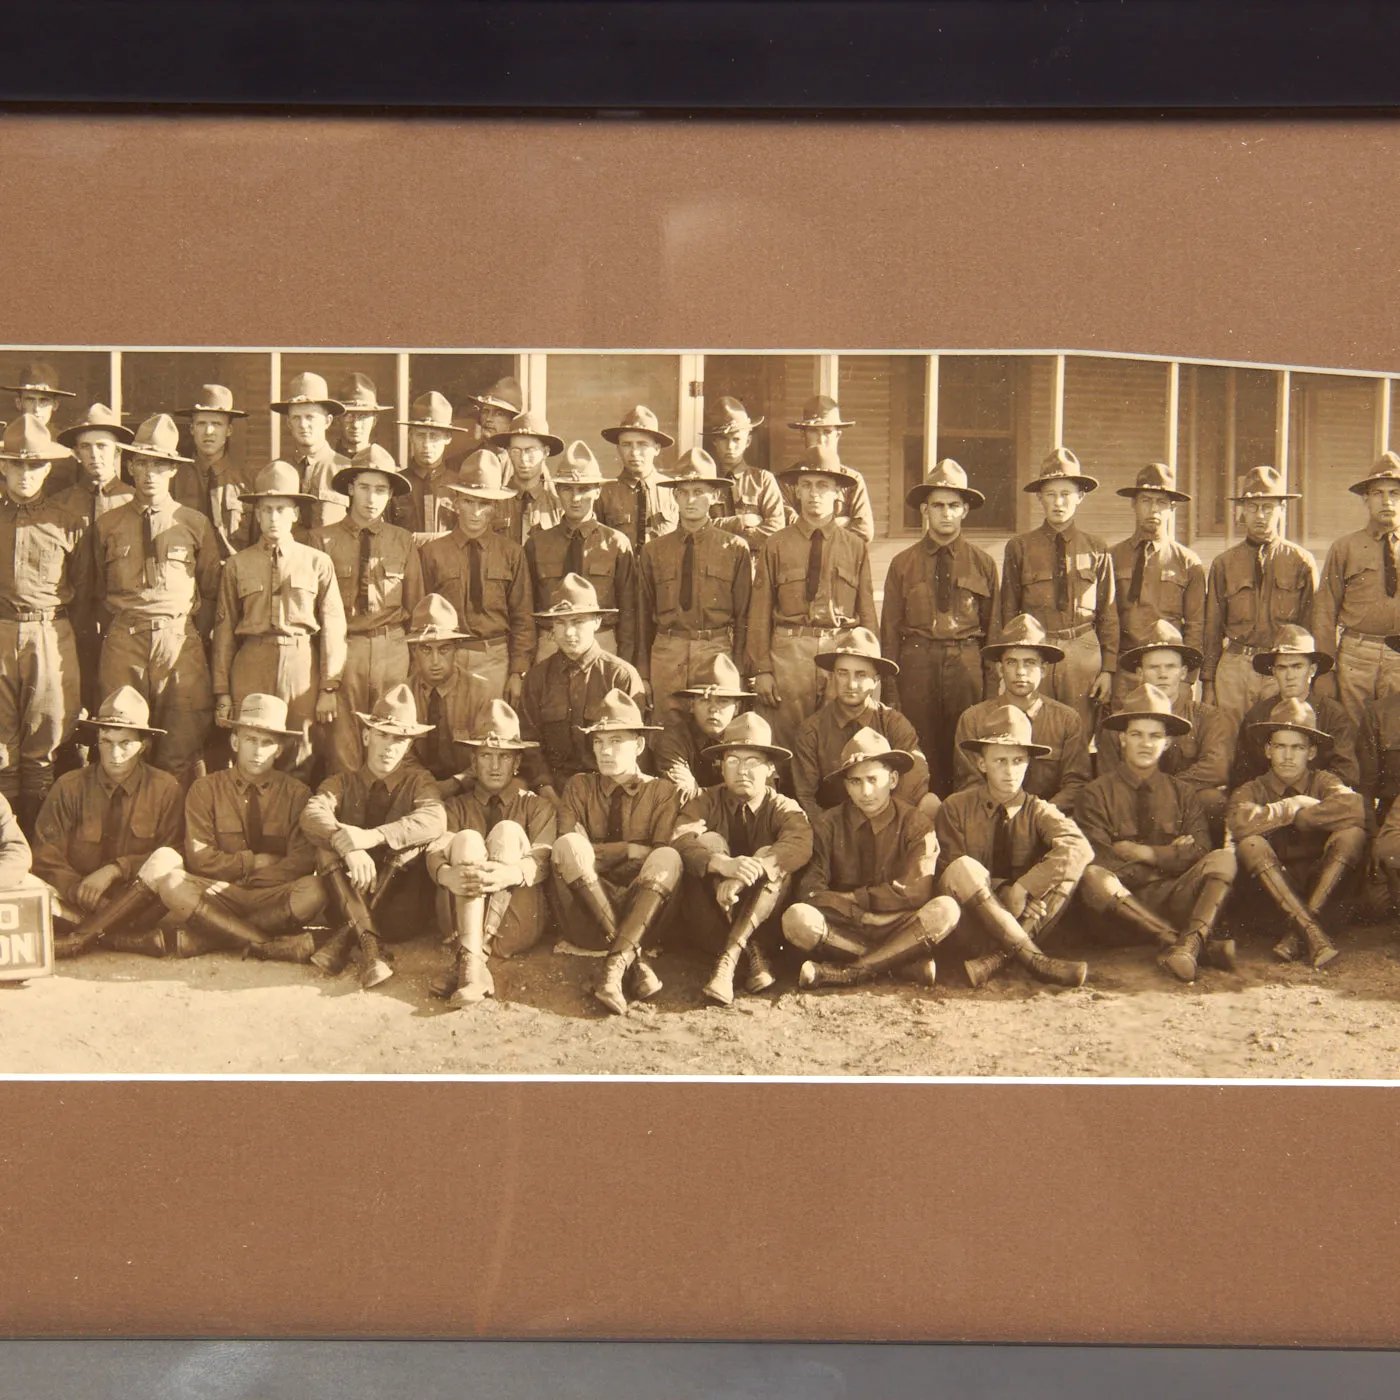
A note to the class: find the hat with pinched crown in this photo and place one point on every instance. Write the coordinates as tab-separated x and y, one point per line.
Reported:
1161	636
212	398
267	713
360	395
124	708
1264	483
28	440
574	596
279	479
945	475
1292	640
822	460
1061	465
158	437
1006	725
866	744
821	412
480	476
1148	702
1296	715
727	415
431	410
860	642
309	388
619	714
579	467
1027	632
371	459
434	619
497	727
504	394
639	420
396	714
1386	471
99	416
696	466
716	678
748	731
528	425
39	377
1156	476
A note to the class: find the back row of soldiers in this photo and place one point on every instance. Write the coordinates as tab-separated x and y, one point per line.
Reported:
317	612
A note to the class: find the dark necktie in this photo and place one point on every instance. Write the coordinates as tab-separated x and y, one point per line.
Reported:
1388	556
814	566
253	820
1139	565
865	854
1000	868
114	825
1146	825
441	743
276	608
1061	573
573	556
639	521
741	834
474	589
362	577
148	546
688	574
1258	566
943	580
619	796
377	804
495	812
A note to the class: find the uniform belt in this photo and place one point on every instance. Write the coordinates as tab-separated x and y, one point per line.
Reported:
33	614
918	639
389	629
150	624
696	634
277	639
784	630
1365	636
1069	634
1242	648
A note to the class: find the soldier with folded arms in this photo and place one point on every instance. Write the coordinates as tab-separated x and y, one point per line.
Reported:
1298	828
755	503
614	867
742	843
1155	867
1009	858
867	898
1019	657
709	705
213	483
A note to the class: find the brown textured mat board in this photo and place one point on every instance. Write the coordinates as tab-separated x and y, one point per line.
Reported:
1028	1212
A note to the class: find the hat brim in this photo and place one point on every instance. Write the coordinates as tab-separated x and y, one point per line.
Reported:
720	429
428	423
46	459
139	449
1050	654
414	639
920	493
585	484
774	751
1269	496
1320	659
555	445
481	493
486	401
883	664
1085	483
840	473
607	727
977	745
40	389
206	408
1131	659
1171	493
344	479
393	727
69	436
97	723
1267	728
500	745
822	423
301	497
332	406
233	724
1360	488
367	408
717	483
712	692
574	612
1176	725
829	789
664	439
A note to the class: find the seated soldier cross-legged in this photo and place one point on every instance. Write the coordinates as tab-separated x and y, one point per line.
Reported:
711	702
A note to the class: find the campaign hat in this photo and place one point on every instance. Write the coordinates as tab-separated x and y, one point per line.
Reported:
579	468
212	398
28	440
821	412
1264	483
98	416
822	460
865	744
497	727
639	420
716	678
574	597
434	619
124	708
944	475
1156	476
504	394
1061	465
1007	725
481	476
1026	631
726	414
431	410
395	713
697	466
1292	640
1148	702
1297	715
38	377
278	479
528	425
267	713
360	395
1387	469
309	388
861	642
619	713
159	437
1161	636
371	459
747	731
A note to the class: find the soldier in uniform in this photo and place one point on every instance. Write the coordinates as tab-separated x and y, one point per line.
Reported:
615	869
492	863
1155	861
709	705
1253	589
755	499
359	413
484	575
857	670
1297	828
527	444
742	843
1357	600
1296	662
581	544
634	501
46	566
156	585
369	826
1019	657
821	425
213	483
1155	578
1199	755
430	432
1063	578
449	697
380	581
1009	858
1378	752
811	580
867	897
37	393
696	583
940	607
308	411
498	408
280	625
96	829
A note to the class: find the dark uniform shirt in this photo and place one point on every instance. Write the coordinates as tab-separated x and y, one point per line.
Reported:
755	492
854	510
816	751
89	504
317	469
777	823
461	706
617	506
1057	776
1048	851
429	504
468	810
185	578
648	810
721	585
1261	808
506	599
1173	590
1028	585
217	840
1201	758
679	756
1238	612
1351	594
214	490
1152	811
910	606
1341	759
43	563
395	576
526	514
414	817
886	865
607	563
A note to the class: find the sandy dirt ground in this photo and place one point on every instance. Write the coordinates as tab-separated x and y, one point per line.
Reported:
116	1014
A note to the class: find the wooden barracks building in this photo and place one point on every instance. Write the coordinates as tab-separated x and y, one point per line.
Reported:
996	413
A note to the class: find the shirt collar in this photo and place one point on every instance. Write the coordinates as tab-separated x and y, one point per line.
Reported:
878	823
631	785
243	783
1126	775
1275	785
931	545
1068	532
128	784
505	795
584	661
1032	707
808	529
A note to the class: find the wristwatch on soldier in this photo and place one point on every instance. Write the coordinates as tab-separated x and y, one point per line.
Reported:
330	688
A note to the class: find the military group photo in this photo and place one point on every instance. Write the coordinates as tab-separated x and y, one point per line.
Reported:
376	685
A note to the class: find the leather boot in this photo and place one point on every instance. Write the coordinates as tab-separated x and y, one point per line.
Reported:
130	905
760	976
194	941
373	968
293	948
820	974
980	971
1134	912
1220	953
1187	951
216	921
1320	948
841	945
753	908
915	936
999	921
332	956
1331	875
474	981
593	898
350	905
645	909
150	944
642	981
922	972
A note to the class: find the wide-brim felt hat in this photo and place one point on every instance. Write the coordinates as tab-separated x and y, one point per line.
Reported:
1159	477
619	713
1025	633
575	597
278	479
1264	484
860	750
396	713
481	475
39	378
1163	636
434	619
819	461
99	418
945	475
1007	726
26	439
504	394
124	708
157	437
1296	715
579	467
309	388
431	410
1061	465
265	713
719	679
1147	702
498	728
726	414
748	731
821	412
373	459
1386	470
360	396
212	398
861	643
527	425
1293	640
695	467
639	420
